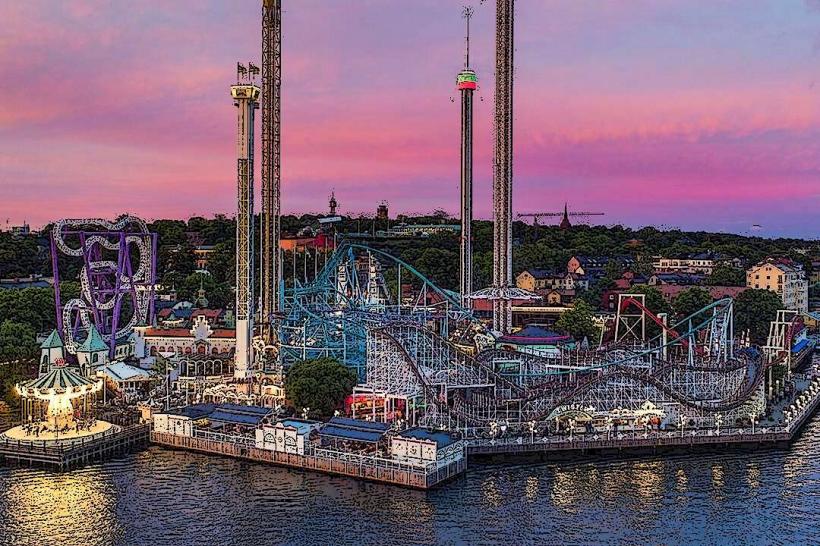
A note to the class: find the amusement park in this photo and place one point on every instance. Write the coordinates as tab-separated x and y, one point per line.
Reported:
438	375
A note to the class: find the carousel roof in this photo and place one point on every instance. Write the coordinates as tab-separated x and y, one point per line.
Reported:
59	379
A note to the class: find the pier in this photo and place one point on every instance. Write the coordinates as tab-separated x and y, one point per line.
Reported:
64	455
328	461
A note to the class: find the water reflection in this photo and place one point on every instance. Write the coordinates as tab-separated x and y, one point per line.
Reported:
169	497
77	507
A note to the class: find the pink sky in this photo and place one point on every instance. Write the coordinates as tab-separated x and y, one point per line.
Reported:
699	114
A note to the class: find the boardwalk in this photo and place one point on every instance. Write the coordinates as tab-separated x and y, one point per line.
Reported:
323	460
63	456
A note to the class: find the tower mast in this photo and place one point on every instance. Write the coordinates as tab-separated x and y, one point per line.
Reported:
502	172
466	83
245	96
271	273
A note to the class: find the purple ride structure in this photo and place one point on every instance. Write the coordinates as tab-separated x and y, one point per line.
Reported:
117	277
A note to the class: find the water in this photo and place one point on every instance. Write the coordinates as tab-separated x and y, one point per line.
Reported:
161	497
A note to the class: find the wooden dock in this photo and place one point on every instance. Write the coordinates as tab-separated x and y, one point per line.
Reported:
64	456
339	463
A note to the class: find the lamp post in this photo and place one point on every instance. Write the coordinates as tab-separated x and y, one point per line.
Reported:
753	419
682	424
718	421
531	425
571	428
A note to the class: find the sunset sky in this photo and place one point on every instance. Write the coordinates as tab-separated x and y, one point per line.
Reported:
698	114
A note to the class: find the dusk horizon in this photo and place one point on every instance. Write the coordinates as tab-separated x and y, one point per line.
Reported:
657	115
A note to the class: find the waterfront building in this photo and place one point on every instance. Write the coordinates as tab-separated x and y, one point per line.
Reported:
785	278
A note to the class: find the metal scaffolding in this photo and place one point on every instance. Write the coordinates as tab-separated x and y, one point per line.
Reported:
271	274
503	163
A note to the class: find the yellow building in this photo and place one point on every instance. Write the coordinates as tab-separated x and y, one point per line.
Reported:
787	280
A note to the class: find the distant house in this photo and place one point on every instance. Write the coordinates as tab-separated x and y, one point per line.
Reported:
595	267
703	263
202	255
784	277
541	279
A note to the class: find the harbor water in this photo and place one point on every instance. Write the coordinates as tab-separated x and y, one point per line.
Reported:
160	496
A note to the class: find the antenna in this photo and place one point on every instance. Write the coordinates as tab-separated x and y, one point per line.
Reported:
467	13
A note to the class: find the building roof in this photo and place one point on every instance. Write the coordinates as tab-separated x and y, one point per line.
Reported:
344	428
120	371
53	341
93	342
442	439
359	423
535	335
58	379
352	434
195	411
222	333
302	426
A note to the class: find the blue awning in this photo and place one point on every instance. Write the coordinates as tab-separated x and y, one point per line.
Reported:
235	418
358	423
442	439
351	434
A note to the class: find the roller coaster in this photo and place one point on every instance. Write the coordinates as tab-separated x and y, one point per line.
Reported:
412	343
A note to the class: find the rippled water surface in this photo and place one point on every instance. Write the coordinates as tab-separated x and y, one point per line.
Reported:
171	497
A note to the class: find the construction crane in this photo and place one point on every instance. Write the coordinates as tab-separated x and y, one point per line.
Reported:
584	215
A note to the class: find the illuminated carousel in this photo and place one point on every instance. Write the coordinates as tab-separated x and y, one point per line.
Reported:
56	406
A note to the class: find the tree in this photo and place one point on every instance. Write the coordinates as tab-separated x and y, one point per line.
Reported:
691	301
578	322
17	341
754	310
321	384
725	275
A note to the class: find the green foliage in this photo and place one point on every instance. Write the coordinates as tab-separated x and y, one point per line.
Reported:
17	340
321	384
34	306
725	275
689	302
754	310
578	322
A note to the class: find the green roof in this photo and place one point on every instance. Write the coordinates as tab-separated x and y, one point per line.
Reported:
93	343
53	341
59	379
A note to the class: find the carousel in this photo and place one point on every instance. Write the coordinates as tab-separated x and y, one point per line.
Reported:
56	407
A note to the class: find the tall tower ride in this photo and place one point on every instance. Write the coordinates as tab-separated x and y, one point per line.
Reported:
271	273
245	96
503	165
466	83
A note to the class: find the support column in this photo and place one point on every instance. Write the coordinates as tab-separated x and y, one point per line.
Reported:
245	97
